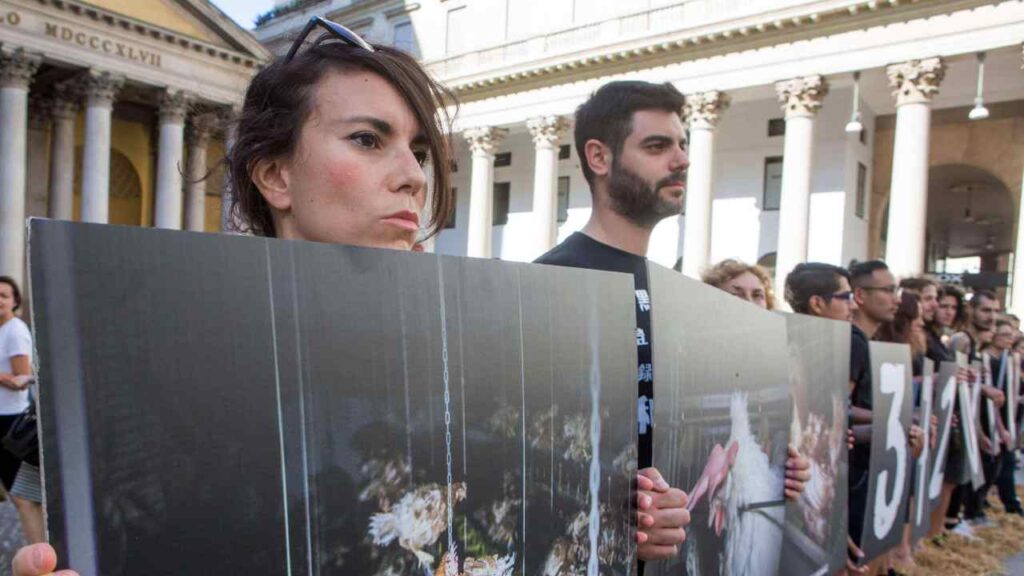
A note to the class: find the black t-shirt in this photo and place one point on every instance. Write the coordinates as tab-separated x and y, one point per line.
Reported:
582	251
860	375
937	351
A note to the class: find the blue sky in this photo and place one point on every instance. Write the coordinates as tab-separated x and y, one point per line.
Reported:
244	11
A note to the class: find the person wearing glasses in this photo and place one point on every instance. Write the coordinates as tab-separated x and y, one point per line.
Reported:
333	141
1000	360
823	290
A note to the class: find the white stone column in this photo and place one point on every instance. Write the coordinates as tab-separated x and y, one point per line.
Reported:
173	109
200	130
228	121
64	109
100	89
914	83
1016	304
801	99
16	71
482	143
701	112
546	132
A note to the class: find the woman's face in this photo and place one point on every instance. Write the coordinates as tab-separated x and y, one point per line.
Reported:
917	324
748	287
7	302
946	313
1003	336
356	175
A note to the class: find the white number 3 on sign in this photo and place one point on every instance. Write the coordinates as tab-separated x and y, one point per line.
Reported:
896	439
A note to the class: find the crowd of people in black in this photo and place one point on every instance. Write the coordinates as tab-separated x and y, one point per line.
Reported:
332	146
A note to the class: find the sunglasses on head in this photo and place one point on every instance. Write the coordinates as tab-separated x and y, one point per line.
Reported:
336	30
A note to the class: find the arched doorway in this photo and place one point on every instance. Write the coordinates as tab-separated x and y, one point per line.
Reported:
970	220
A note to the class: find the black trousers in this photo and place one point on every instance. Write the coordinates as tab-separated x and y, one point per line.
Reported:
1005	483
974	501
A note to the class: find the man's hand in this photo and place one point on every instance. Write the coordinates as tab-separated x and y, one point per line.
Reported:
37	560
994	394
1005	438
661	517
933	432
916	435
852	566
798	473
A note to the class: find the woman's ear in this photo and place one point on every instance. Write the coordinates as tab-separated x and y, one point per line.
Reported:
271	177
599	157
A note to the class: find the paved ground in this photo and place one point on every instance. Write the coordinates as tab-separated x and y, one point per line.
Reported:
10	535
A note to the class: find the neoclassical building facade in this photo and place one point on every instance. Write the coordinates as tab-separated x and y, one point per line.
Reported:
113	111
828	130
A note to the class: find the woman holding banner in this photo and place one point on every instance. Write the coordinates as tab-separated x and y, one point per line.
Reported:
332	146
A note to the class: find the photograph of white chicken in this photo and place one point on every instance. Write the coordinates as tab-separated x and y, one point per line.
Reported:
743	495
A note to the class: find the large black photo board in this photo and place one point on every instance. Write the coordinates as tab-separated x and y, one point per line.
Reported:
943	403
920	510
722	413
819	354
891	461
218	404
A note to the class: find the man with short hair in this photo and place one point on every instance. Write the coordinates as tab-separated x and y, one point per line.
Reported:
874	295
632	149
821	290
983	309
1001	359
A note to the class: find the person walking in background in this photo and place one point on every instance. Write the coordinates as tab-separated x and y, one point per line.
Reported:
15	376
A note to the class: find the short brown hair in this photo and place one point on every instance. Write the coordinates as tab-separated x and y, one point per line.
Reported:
14	290
607	116
277	104
728	269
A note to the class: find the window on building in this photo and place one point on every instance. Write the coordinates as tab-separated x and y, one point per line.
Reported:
450	222
776	127
772	183
862	185
501	197
456	39
454	165
864	136
564	151
502	159
404	39
563	198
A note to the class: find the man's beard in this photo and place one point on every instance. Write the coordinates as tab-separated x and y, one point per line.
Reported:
635	199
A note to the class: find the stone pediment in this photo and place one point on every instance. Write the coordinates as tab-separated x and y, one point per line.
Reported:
198	19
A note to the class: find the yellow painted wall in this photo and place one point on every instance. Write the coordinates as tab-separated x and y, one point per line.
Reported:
131	139
163	13
214	185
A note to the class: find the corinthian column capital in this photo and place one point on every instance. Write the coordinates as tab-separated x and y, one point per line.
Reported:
17	68
916	81
702	109
802	96
174	106
484	140
547	130
100	88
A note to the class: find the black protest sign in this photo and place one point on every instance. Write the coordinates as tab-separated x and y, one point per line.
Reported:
890	468
819	355
221	404
920	510
968	395
990	418
944	400
722	414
